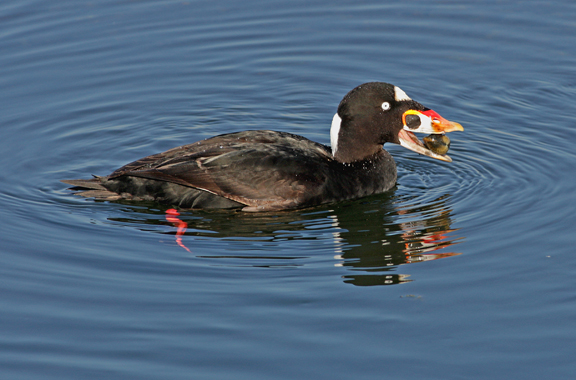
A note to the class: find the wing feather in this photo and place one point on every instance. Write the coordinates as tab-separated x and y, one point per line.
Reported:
264	170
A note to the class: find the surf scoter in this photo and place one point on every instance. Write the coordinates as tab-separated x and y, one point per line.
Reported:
267	170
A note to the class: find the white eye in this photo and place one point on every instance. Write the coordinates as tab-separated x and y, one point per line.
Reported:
385	106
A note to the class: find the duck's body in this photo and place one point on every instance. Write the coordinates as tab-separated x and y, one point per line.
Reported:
267	170
257	170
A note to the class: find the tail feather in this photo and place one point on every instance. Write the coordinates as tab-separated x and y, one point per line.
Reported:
91	188
84	184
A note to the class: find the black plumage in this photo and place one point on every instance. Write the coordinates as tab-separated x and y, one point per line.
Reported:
267	170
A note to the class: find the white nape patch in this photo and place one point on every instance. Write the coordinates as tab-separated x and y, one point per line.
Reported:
400	95
334	131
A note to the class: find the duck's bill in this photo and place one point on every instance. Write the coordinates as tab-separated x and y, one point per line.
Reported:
409	141
425	122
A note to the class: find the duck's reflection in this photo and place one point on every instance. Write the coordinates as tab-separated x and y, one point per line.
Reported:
409	234
369	238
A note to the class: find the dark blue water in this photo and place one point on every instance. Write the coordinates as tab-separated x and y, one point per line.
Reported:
98	290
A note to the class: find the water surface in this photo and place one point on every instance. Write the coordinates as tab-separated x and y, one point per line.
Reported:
464	271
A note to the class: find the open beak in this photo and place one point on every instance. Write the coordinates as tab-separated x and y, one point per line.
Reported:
425	122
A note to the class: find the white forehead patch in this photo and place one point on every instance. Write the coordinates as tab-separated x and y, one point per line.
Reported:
400	95
334	131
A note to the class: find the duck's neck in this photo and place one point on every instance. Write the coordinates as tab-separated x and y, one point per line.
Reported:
351	144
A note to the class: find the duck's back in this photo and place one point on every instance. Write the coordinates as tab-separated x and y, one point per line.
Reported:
257	170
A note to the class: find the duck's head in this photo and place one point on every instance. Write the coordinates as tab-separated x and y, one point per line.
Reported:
375	113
